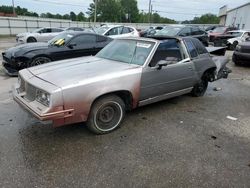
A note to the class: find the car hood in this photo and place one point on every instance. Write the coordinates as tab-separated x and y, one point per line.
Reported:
82	70
26	48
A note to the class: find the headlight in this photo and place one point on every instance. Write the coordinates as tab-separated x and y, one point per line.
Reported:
43	97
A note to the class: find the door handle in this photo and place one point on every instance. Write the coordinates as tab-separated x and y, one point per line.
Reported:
190	67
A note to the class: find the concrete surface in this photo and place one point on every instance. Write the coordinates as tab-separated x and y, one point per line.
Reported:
181	142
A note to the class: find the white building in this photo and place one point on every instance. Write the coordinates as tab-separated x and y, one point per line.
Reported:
237	17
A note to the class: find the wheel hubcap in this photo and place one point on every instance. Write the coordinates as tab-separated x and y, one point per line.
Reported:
108	116
40	61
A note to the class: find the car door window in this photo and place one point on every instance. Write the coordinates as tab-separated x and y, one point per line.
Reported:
115	31
197	31
56	30
43	31
199	46
191	49
83	39
101	39
185	32
48	30
168	50
125	30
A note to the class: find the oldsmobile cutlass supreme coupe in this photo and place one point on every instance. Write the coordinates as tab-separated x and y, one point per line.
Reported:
126	74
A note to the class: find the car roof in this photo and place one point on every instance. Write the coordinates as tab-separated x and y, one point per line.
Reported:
151	38
75	33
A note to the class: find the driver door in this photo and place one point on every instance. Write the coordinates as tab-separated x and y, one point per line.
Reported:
172	80
81	45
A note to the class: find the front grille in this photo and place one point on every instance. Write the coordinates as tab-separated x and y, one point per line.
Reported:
30	92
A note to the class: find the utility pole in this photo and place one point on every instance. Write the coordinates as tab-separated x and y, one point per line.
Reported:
95	10
149	12
13	6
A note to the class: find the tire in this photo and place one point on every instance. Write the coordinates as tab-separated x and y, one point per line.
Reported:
39	61
200	88
106	114
31	39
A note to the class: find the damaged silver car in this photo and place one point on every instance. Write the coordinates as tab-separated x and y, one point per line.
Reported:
126	74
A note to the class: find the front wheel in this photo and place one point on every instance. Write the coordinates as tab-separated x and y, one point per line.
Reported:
39	61
106	114
31	39
200	88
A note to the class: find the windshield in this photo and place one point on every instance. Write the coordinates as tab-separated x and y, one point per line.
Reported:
61	39
36	30
235	34
101	30
169	31
127	51
219	30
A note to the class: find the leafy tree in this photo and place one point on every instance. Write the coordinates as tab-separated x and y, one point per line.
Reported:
72	16
130	8
81	17
107	11
204	19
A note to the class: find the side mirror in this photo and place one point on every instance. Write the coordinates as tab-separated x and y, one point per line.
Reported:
161	64
72	45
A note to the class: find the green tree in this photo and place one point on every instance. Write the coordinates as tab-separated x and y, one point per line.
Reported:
107	11
129	8
81	17
204	19
72	16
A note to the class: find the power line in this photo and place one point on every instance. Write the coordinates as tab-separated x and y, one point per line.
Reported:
160	5
59	3
183	13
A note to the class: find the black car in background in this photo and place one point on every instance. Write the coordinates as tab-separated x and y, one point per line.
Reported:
64	46
184	31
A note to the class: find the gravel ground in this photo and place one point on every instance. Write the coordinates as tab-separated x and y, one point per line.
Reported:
181	142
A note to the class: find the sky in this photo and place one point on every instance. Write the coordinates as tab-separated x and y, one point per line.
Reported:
175	9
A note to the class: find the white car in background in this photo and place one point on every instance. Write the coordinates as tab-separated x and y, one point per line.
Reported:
239	36
117	31
38	35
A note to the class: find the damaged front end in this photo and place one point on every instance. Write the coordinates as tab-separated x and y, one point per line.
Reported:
220	60
222	71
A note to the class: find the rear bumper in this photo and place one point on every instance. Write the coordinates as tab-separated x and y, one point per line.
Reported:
241	57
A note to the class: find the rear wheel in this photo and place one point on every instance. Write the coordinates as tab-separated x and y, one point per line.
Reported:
31	39
200	88
106	114
39	61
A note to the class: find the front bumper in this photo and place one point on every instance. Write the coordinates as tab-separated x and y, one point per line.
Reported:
34	106
10	70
